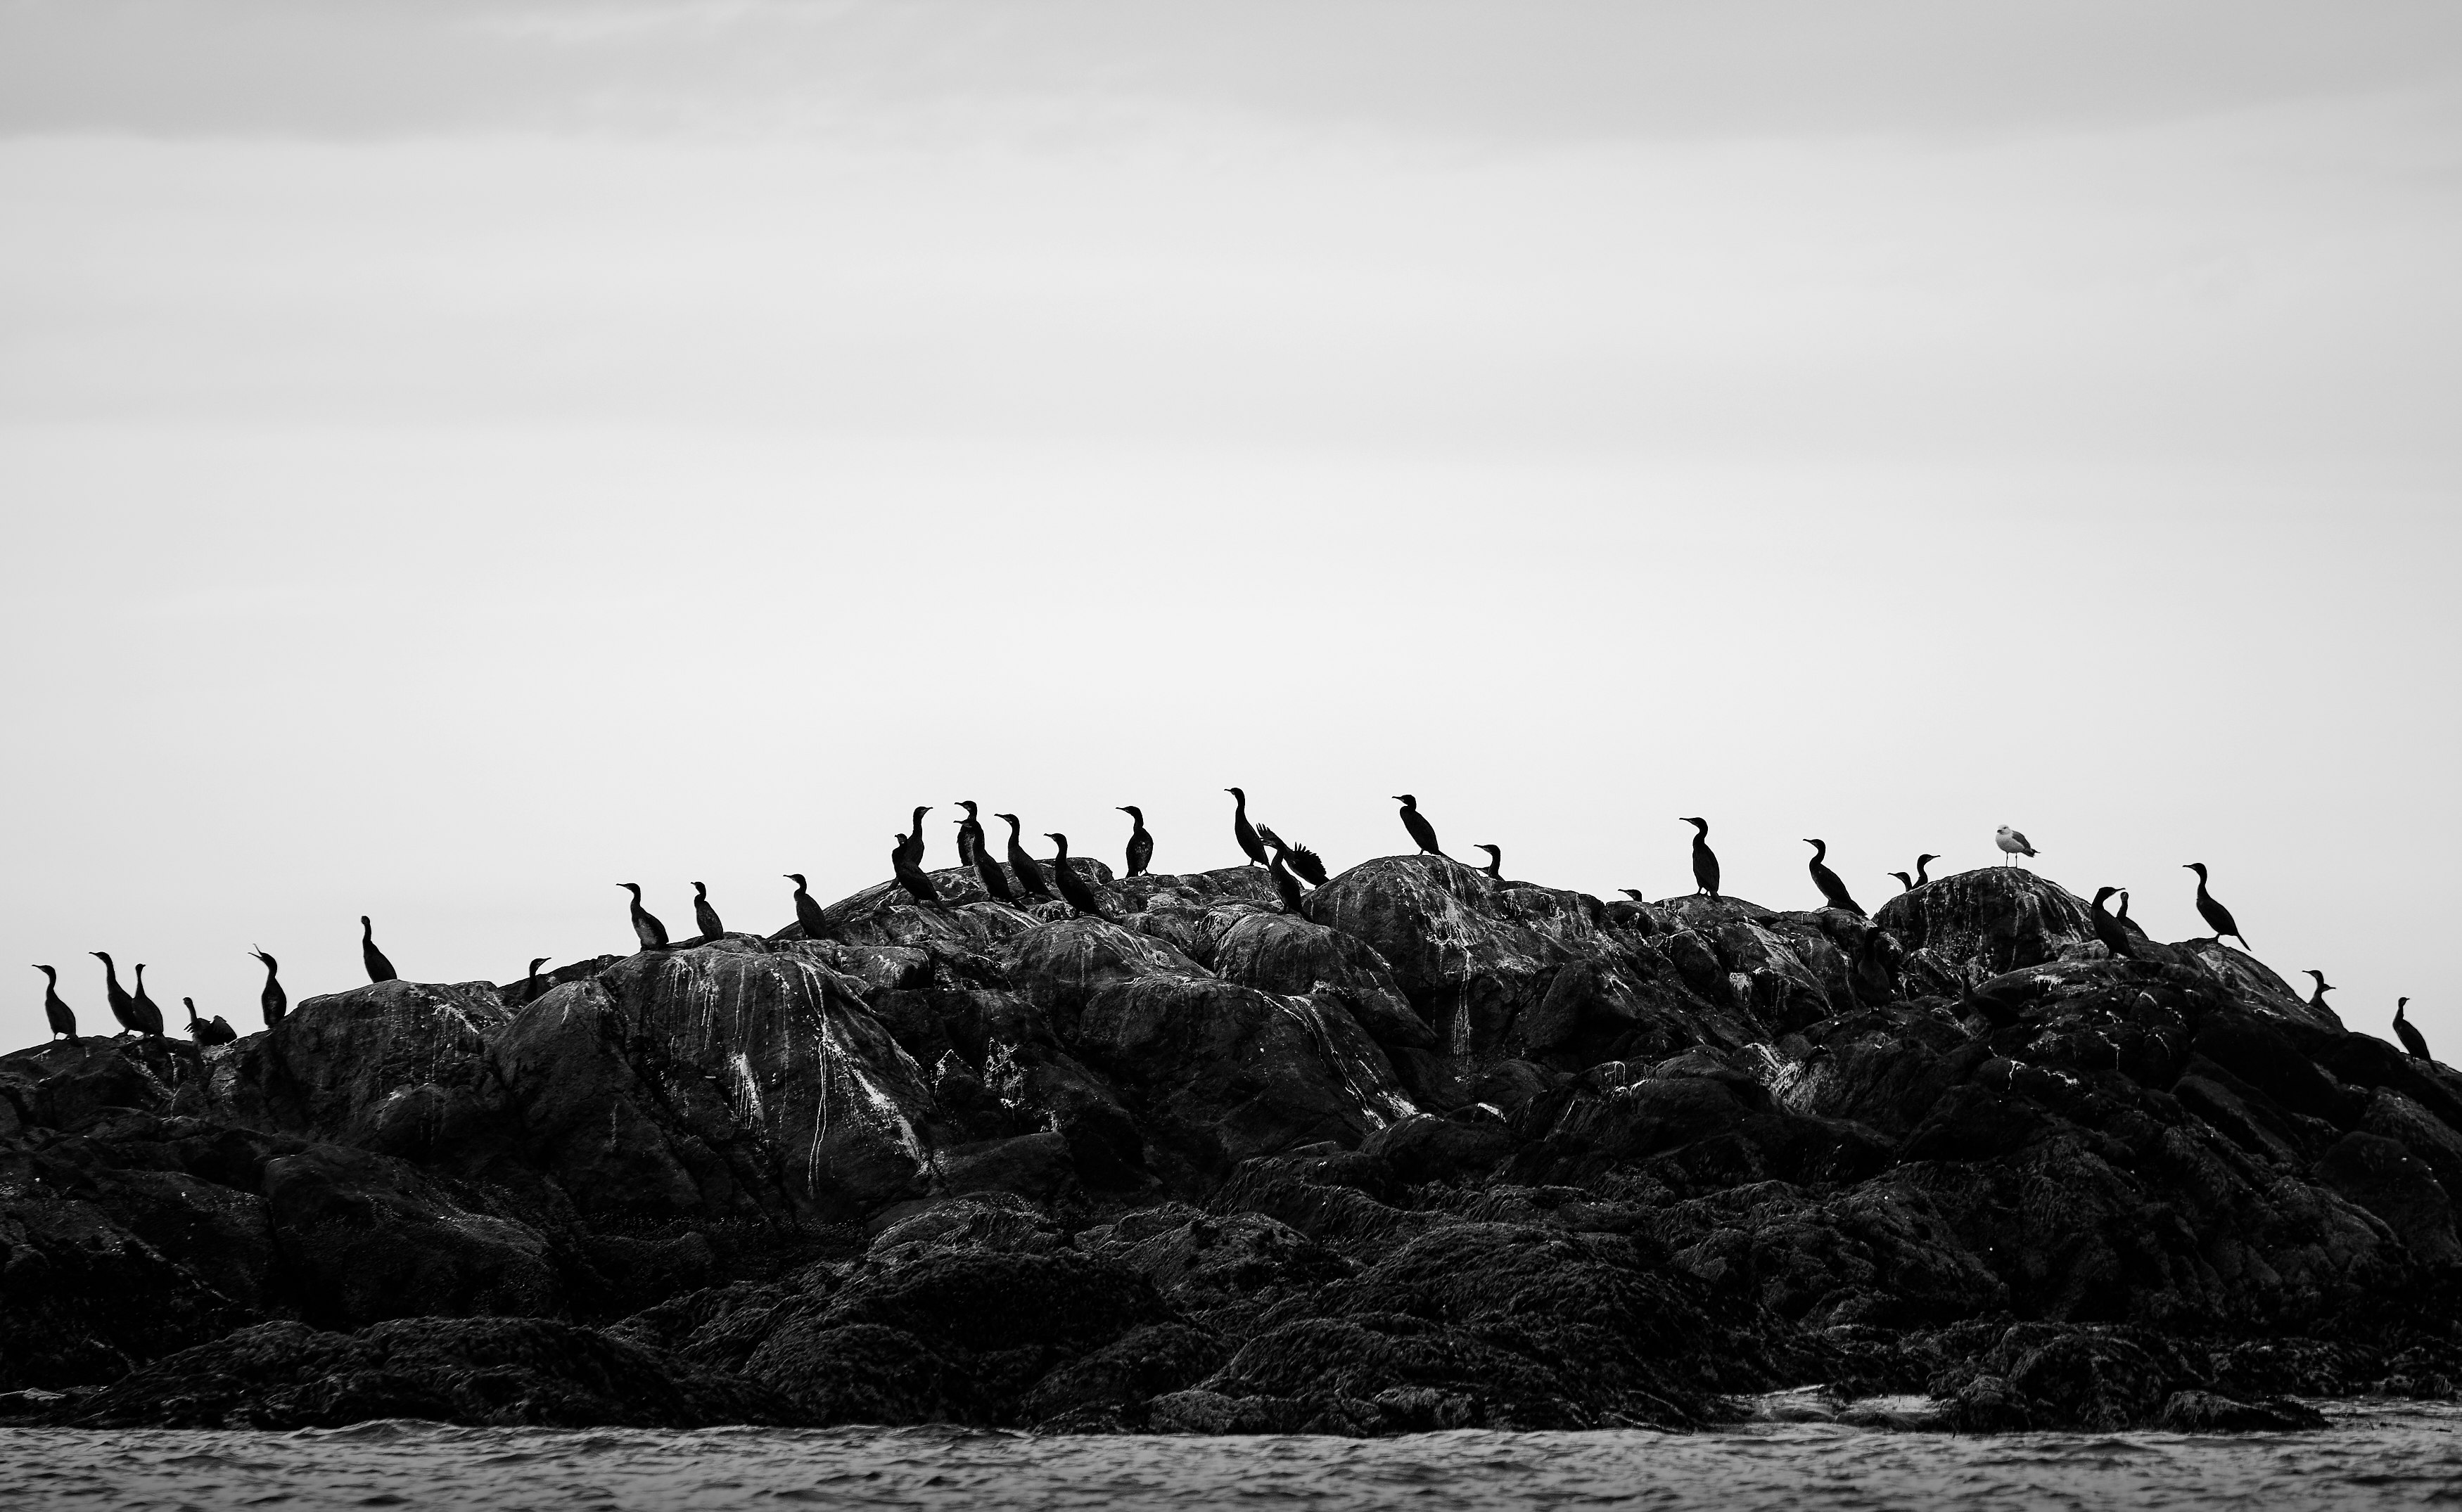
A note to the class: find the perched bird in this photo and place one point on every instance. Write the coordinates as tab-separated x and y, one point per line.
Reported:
1495	865
1241	831
1923	876
987	871
2135	930
1030	879
705	917
148	1015
2012	844
1825	879
807	913
532	984
970	835
1906	883
2402	1028
64	1021
1423	835
1705	861
123	1008
911	876
1072	887
646	927
2217	918
216	1030
2316	999
1140	843
1285	883
2107	929
270	996
380	969
911	844
1304	862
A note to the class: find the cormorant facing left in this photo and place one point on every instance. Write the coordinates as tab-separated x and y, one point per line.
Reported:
1140	843
1921	875
1825	879
2403	1029
646	927
1495	867
807	913
1305	864
270	998
2107	929
148	1015
987	871
380	969
2216	917
216	1030
706	917
64	1021
1241	831
123	1008
1423	835
1072	887
1906	883
1705	861
2316	999
911	876
1030	879
1285	883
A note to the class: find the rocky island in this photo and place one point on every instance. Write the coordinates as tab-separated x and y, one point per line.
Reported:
1433	1149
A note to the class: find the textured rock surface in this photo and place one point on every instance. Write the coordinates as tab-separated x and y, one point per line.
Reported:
1433	1151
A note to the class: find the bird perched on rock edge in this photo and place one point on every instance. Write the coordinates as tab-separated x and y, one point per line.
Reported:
705	914
1140	854
1705	861
2217	918
1030	879
912	877
63	1019
2316	999
2404	1030
1305	863
646	927
2107	929
1072	887
1243	831
1832	890
1423	835
2012	844
270	999
380	969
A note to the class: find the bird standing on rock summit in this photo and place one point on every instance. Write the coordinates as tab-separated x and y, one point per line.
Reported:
1072	887
1825	879
1705	861
807	913
970	835
148	1013
1141	844
1241	831
2404	1029
2316	999
270	998
1305	864
64	1021
1285	883
216	1030
912	877
2217	918
380	969
123	1008
1495	867
911	844
2012	844
1030	879
646	927
1906	883
1423	835
1925	860
2107	929
706	917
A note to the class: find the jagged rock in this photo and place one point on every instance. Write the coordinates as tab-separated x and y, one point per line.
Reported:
2207	1413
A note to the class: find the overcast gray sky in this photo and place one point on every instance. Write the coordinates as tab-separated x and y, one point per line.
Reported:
458	457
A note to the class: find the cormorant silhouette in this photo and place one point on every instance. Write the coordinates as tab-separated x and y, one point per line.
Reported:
970	835
1241	831
1705	861
1285	883
63	1019
2107	929
216	1030
2012	844
706	917
123	1008
270	998
1072	887
911	844
1906	883
1140	843
1832	890
646	927
1495	867
531	982
380	969
1925	860
2217	918
2316	999
2402	1028
1305	864
1030	879
148	1015
987	872
807	913
1423	835
910	876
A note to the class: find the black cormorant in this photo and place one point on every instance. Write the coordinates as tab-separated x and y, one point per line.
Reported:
987	872
270	996
380	969
1705	861
911	844
2107	929
123	1008
646	927
1825	879
807	913
910	876
1030	879
1305	864
148	1015
1072	887
970	835
1285	883
63	1021
216	1030
2316	999
2216	917
2136	931
1906	883
2402	1028
2012	844
1923	876
1140	843
1423	835
1495	867
532	985
705	917
1241	831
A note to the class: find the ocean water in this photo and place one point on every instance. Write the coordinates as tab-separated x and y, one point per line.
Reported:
2374	1455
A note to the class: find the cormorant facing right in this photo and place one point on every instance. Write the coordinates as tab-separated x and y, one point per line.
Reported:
1923	876
1030	879
1072	887
123	1008
1495	867
2316	999
1825	879
531	989
911	844
1705	861
2402	1028
1423	835
148	1015
646	927
214	1031
970	835
2216	917
380	969
64	1021
270	996
807	913
705	917
1140	843
1285	883
1906	883
911	876
2107	929
2012	844
1241	831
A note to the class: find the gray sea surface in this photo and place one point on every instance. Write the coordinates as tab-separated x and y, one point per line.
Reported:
2376	1453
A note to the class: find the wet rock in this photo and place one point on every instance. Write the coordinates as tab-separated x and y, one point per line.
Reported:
2207	1413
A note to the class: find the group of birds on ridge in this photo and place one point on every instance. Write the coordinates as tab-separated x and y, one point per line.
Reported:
1057	880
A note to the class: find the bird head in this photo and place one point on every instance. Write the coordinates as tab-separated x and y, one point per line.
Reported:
967	803
1056	838
363	922
2323	985
1011	817
700	890
540	961
1928	855
258	951
103	955
1905	877
1133	811
1237	793
2198	867
1406	800
634	888
796	878
2103	895
49	975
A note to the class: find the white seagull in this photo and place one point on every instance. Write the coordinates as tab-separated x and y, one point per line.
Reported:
2012	844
